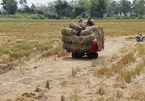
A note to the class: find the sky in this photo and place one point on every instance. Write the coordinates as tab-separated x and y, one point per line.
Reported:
36	1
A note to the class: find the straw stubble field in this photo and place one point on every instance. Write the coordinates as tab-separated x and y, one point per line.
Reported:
44	71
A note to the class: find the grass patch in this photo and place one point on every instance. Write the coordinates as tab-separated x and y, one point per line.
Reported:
123	62
16	54
140	48
127	75
10	54
55	51
138	95
103	71
117	67
44	47
24	46
5	50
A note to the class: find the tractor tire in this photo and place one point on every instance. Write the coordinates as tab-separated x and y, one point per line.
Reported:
92	55
95	55
77	55
89	55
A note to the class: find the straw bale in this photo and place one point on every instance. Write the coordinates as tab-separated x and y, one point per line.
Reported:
90	37
81	40
67	31
67	46
74	38
66	39
93	28
83	26
77	47
73	26
86	32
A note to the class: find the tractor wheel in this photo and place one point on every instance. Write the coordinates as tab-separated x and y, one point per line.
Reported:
95	55
77	55
92	55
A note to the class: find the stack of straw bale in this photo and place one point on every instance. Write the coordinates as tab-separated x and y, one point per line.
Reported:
82	43
75	26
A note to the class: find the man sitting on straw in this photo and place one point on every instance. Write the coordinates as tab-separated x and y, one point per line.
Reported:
78	31
90	22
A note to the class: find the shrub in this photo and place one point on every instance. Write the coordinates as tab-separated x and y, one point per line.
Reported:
36	16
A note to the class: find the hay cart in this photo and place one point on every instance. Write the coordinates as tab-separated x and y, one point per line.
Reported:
80	46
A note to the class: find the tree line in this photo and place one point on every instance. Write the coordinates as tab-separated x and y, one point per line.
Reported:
78	8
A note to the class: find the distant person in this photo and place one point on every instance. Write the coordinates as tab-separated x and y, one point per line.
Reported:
80	23
139	37
90	22
79	29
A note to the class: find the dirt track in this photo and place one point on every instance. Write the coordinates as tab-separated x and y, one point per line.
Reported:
25	78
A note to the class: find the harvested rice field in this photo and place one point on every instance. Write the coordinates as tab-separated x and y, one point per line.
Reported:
35	67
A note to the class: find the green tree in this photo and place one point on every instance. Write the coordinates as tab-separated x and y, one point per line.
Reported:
111	8
80	8
62	8
23	3
138	7
51	13
25	8
10	6
98	8
125	6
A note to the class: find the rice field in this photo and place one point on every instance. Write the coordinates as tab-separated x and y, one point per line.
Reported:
117	75
21	37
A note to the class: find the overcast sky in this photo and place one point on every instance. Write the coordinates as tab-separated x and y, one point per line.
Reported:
36	1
